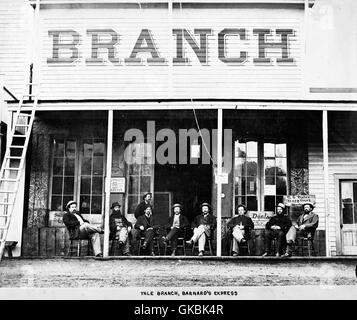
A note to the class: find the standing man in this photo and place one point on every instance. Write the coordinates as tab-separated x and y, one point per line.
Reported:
177	223
305	226
120	228
139	211
145	226
80	228
276	228
240	226
203	226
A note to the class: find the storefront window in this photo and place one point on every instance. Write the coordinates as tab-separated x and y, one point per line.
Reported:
139	172
78	173
63	172
260	174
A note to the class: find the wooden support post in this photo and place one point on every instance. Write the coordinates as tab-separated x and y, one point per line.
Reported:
107	183
326	179
219	181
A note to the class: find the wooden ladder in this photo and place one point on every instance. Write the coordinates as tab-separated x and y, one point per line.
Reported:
15	157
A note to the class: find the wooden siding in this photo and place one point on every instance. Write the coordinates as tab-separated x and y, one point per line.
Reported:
214	80
342	160
15	19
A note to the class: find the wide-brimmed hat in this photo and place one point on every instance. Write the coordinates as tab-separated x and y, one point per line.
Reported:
281	205
243	206
148	206
69	203
146	193
115	204
308	203
177	205
206	204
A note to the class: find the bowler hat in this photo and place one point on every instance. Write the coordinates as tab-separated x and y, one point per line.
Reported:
243	206
176	205
69	203
148	206
308	203
206	204
146	193
281	205
115	204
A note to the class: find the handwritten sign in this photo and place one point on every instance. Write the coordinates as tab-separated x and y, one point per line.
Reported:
298	200
55	219
117	185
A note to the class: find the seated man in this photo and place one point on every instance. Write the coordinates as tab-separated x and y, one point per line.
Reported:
240	226
304	226
276	228
203	226
120	228
80	228
177	222
147	229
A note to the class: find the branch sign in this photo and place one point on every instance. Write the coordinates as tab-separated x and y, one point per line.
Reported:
298	200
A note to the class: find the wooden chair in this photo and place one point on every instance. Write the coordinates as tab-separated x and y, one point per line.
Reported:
155	244
243	245
181	242
76	245
208	243
305	243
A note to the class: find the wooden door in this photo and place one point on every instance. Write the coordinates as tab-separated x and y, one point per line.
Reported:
348	205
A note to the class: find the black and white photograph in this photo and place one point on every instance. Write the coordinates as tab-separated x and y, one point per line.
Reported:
199	151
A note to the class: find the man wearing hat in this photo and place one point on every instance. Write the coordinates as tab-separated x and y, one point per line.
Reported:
305	226
120	227
276	228
240	226
177	222
147	229
80	228
203	225
139	211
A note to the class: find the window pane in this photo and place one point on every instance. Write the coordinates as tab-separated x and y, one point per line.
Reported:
252	149
146	170
346	191
97	185
56	203
269	167
270	180
98	165
57	185
239	167
240	150
269	150
132	203
281	185
280	150
85	185
98	149
355	192
70	148
87	149
281	166
69	169
68	186
133	185
252	167
252	203
269	203
145	184
86	166
58	166
238	186
59	148
251	185
347	213
96	205
84	204
134	169
240	200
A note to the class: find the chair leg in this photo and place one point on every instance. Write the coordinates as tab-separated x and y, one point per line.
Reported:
210	247
79	248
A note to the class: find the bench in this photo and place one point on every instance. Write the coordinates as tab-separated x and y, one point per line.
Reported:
9	245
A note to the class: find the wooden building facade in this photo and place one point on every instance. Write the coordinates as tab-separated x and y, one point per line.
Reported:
231	79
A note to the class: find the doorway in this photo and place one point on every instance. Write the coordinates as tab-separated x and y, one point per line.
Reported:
348	216
189	185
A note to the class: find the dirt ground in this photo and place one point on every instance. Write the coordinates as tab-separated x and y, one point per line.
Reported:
62	273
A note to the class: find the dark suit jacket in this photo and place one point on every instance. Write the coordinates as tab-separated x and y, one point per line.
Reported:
183	221
311	221
282	221
72	224
247	223
209	220
112	223
140	209
145	222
